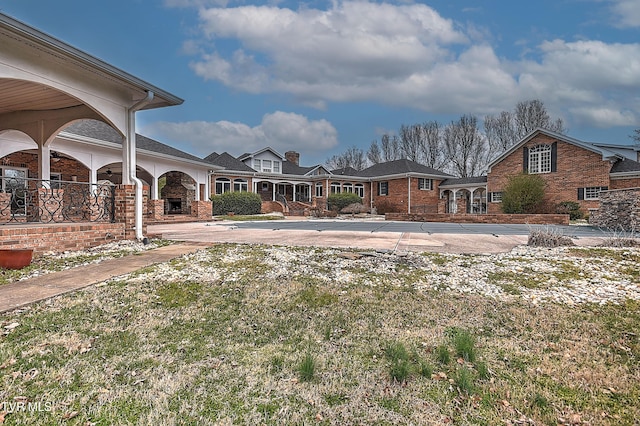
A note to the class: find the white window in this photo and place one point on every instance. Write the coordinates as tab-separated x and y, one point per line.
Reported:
256	165
540	159
593	192
347	187
335	188
318	190
266	166
276	167
496	197
383	188
240	185
223	185
359	189
425	184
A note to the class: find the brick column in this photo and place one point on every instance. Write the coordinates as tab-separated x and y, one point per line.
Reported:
442	205
125	210
461	204
202	210
156	209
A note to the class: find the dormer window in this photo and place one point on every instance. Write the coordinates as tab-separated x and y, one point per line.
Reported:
266	166
256	164
276	166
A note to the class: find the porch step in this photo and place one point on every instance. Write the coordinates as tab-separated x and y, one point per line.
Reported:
297	208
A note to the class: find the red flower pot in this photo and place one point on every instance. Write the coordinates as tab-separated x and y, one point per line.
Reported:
15	258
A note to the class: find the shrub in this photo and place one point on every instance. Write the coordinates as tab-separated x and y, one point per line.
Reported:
385	206
237	203
338	202
571	208
523	194
548	237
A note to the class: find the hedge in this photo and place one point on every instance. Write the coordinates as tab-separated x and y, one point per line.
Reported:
237	203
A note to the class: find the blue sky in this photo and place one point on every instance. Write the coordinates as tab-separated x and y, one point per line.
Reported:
319	77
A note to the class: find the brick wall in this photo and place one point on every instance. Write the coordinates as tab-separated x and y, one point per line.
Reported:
534	219
59	237
398	195
67	167
625	183
201	210
576	168
618	210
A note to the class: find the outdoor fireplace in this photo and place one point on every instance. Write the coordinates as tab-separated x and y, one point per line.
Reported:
174	206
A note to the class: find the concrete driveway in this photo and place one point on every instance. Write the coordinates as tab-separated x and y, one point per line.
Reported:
367	234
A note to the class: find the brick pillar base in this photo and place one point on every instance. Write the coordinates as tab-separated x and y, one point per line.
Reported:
202	210
156	209
461	204
442	205
5	207
125	209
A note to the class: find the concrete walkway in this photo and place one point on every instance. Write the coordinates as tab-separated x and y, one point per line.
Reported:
31	290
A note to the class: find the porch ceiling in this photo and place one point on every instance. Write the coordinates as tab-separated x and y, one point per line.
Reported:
28	96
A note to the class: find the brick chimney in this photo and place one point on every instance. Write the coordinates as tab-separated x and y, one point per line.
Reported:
292	157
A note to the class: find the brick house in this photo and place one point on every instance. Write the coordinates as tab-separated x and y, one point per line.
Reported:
284	185
572	169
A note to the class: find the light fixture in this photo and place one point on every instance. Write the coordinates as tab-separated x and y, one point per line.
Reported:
55	157
109	172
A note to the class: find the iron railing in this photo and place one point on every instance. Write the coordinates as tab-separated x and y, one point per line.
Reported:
26	200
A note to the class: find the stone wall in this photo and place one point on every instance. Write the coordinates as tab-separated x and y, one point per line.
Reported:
619	210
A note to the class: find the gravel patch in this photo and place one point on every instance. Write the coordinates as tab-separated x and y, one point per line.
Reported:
534	275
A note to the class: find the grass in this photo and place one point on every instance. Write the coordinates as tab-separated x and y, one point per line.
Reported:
240	335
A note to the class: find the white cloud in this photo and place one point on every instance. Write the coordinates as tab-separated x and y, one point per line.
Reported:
627	13
281	130
603	117
408	55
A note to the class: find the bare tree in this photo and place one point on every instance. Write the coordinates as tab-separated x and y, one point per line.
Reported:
465	147
390	148
412	142
500	131
373	154
529	115
352	157
433	152
508	128
636	137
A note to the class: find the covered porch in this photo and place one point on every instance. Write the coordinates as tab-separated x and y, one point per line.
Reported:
47	85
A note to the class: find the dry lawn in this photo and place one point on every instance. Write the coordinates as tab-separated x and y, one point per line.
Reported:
219	338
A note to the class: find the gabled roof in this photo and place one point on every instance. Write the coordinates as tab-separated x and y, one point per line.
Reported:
228	161
253	154
606	153
101	131
400	167
316	167
49	44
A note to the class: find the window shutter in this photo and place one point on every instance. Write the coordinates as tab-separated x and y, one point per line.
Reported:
554	157
525	159
580	193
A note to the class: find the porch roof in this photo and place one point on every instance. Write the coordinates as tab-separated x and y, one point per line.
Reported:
73	57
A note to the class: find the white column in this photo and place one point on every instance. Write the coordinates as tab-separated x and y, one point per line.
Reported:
44	165
154	188
293	185
274	191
